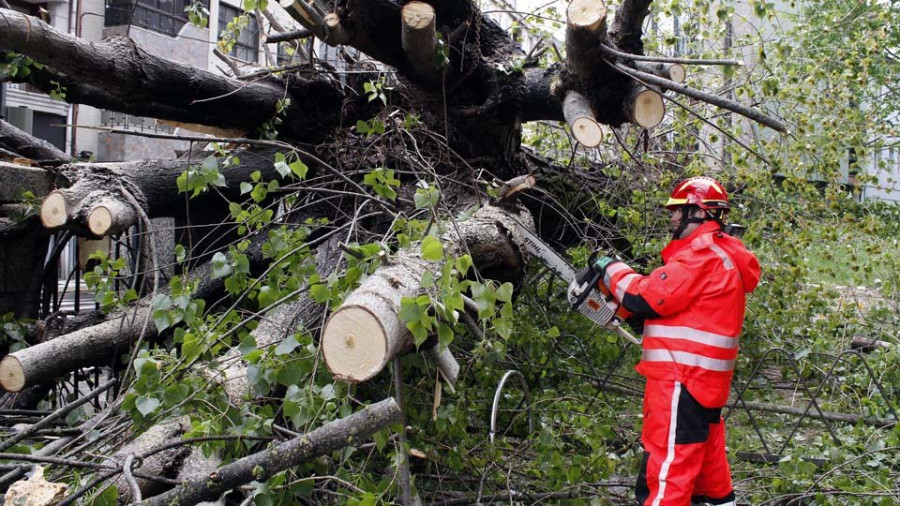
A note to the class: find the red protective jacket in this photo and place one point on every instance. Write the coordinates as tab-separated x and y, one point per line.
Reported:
694	310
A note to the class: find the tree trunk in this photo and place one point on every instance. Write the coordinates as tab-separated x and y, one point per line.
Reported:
365	332
260	466
95	345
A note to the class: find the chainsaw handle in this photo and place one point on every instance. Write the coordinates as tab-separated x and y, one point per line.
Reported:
591	284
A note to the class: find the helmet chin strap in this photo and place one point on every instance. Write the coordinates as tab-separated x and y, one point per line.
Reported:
687	219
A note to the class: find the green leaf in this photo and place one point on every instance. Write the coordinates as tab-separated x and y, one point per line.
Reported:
320	293
432	249
463	264
299	168
445	335
505	292
287	345
267	296
259	193
380	439
246	187
176	393
419	332
219	267
410	311
162	320
109	496
282	168
146	405
362	127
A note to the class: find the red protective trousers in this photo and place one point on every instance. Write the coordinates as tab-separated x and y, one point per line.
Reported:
684	450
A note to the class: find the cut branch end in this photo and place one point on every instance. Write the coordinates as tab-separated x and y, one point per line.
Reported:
12	376
53	210
589	14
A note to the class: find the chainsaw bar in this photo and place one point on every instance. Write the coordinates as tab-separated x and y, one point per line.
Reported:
595	306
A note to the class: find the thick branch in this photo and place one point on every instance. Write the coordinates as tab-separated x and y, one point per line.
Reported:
418	37
580	118
300	33
260	466
95	204
626	28
119	75
23	144
366	332
644	107
585	30
671	71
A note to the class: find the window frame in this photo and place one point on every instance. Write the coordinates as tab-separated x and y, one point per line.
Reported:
241	47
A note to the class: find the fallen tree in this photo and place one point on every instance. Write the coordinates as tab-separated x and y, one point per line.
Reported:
396	149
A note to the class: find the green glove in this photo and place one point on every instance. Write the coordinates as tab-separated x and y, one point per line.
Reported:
603	262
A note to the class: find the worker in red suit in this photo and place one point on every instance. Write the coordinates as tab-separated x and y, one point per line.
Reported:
693	309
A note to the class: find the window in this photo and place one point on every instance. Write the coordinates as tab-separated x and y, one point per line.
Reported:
287	54
246	40
164	16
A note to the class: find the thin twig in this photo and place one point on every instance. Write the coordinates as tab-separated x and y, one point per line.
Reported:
126	470
228	61
300	33
666	59
59	413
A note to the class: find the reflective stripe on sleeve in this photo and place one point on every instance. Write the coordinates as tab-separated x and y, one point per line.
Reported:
690	334
623	285
726	259
612	270
689	359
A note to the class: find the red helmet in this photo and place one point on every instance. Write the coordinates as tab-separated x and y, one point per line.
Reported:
701	191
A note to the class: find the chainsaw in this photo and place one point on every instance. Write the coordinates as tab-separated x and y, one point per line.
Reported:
589	297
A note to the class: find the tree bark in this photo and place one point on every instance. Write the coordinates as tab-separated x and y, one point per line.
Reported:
365	332
91	346
260	466
586	28
98	344
165	463
674	72
626	29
